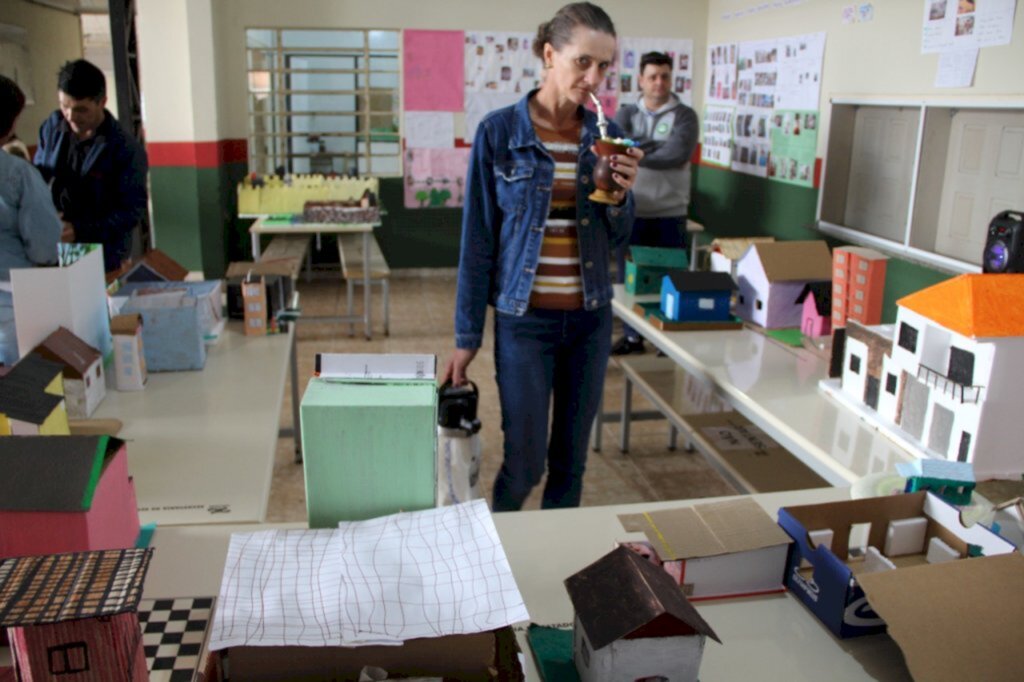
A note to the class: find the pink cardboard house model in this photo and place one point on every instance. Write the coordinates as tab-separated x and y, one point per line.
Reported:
65	494
816	318
74	616
771	277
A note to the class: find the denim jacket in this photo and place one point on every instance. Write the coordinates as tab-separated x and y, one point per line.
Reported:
508	198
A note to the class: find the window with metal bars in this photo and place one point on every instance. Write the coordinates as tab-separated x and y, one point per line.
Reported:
324	101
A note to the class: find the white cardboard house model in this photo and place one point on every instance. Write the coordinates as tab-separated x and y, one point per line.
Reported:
949	381
772	275
633	622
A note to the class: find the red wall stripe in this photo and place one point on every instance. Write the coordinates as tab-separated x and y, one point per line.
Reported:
197	154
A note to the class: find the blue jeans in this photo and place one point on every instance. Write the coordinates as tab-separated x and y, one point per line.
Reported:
8	335
669	233
542	358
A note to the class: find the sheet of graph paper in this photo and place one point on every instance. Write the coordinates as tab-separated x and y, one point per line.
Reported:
420	574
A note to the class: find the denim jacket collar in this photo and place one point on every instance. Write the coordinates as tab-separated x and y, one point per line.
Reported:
524	134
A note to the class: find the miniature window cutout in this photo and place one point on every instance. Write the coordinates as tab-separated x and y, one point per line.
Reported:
859	295
742	299
858	542
863	265
861	279
98	370
66	659
855	364
759	304
706	303
837	289
871	392
858	309
840	274
908	337
88	381
840	258
965	447
961	366
890	384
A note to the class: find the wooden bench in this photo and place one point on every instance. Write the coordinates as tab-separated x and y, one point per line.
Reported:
350	254
291	248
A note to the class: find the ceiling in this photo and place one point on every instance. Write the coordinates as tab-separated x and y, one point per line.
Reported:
76	6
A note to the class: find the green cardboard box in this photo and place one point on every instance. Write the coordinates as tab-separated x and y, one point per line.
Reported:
646	265
369	441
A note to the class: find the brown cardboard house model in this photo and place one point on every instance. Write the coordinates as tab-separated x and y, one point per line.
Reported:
73	616
84	383
633	622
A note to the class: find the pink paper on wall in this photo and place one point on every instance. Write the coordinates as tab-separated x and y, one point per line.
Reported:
435	178
434	64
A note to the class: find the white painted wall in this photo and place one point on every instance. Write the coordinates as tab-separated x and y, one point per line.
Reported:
174	61
877	58
53	37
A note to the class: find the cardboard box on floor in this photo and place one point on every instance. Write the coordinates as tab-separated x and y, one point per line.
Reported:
826	576
719	549
751	456
972	631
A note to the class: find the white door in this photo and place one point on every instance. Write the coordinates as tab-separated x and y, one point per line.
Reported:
881	170
984	175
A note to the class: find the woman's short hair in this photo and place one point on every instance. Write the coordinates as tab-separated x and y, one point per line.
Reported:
12	101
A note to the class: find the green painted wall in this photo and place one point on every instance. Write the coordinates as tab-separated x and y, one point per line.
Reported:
419	238
739	205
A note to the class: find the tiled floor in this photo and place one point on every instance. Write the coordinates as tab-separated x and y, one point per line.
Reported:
421	322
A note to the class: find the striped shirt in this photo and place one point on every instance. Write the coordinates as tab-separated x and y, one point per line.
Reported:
557	284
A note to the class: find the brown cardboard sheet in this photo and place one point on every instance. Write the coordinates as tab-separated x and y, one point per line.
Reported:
959	620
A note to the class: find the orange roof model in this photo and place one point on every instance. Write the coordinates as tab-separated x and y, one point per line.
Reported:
973	305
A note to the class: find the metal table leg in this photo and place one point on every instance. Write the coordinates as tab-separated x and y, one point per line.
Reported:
366	285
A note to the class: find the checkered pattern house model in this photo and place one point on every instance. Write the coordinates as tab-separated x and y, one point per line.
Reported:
948	373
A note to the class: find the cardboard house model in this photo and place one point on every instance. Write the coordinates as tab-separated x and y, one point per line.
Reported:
65	494
632	622
715	550
858	285
771	277
129	359
952	481
946	377
726	251
837	543
155	266
646	265
32	399
74	617
696	296
816	317
369	439
84	383
254	303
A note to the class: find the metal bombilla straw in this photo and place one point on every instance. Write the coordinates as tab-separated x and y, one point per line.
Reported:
602	122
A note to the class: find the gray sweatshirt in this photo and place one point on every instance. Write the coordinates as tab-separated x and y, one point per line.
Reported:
667	137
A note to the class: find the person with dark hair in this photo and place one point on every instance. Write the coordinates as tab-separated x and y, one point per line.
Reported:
666	130
537	249
29	226
97	172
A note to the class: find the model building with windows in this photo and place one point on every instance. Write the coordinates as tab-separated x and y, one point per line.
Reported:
946	377
771	277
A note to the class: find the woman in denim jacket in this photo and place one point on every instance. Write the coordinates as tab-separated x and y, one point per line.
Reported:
537	249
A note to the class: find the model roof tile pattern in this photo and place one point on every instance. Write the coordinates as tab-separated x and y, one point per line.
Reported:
622	592
40	590
978	306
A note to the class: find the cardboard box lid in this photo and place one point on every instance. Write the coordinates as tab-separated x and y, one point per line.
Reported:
707	529
959	620
127	323
363	366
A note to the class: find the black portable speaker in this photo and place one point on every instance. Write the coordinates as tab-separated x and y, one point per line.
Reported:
1004	246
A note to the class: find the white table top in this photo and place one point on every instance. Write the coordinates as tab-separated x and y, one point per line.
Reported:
261	227
776	387
771	637
202	441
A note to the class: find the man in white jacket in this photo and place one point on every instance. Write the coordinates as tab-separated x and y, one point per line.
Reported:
666	130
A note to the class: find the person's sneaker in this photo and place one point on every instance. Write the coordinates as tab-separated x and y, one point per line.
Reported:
627	346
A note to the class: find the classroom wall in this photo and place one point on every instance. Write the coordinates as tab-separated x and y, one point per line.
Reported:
870	60
420	238
53	37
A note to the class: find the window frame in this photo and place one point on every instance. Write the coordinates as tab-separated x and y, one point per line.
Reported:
271	149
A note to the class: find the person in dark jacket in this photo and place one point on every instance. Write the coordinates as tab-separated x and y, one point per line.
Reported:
666	130
97	171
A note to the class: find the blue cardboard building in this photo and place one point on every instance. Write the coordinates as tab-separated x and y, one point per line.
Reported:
696	296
